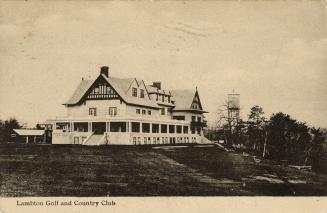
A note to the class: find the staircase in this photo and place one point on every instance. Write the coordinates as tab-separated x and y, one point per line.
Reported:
93	140
204	140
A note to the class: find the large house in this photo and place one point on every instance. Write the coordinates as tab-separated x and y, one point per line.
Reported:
110	110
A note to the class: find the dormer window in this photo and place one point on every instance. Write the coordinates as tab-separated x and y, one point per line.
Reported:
134	92
142	93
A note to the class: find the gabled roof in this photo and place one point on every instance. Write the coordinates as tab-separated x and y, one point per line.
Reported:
79	92
183	98
121	85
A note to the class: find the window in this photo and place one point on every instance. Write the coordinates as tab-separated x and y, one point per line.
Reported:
142	93
76	140
96	90
171	128
143	111
163	98
168	99
101	89
185	129
134	92
199	119
193	118
118	127
138	111
135	127
146	127
179	117
149	112
195	105
163	111
80	127
93	111
155	128
163	128
112	111
157	97
179	129
134	140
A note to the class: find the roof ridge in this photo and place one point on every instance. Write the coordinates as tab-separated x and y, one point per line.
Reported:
110	77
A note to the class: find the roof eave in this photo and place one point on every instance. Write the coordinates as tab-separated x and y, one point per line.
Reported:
141	105
189	110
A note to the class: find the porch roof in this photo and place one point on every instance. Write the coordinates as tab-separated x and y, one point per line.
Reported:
29	132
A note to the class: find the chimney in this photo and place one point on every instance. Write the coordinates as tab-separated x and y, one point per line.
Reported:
105	71
157	84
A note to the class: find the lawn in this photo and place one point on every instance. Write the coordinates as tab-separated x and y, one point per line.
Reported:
73	170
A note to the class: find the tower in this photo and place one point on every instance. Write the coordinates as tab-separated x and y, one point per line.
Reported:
233	106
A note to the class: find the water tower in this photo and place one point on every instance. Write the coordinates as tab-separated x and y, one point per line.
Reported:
233	106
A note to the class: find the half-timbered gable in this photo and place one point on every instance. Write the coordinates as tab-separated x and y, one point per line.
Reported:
101	90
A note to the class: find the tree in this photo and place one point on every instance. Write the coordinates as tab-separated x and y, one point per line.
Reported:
239	134
1	131
299	143
316	151
279	128
38	126
7	128
257	130
228	124
289	139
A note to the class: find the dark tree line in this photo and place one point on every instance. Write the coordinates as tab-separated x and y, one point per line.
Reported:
6	129
7	126
280	137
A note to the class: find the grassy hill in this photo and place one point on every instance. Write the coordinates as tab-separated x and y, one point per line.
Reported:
58	170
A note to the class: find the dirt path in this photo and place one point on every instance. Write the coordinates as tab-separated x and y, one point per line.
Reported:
227	184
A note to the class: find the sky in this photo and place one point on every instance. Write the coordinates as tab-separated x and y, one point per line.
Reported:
271	52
